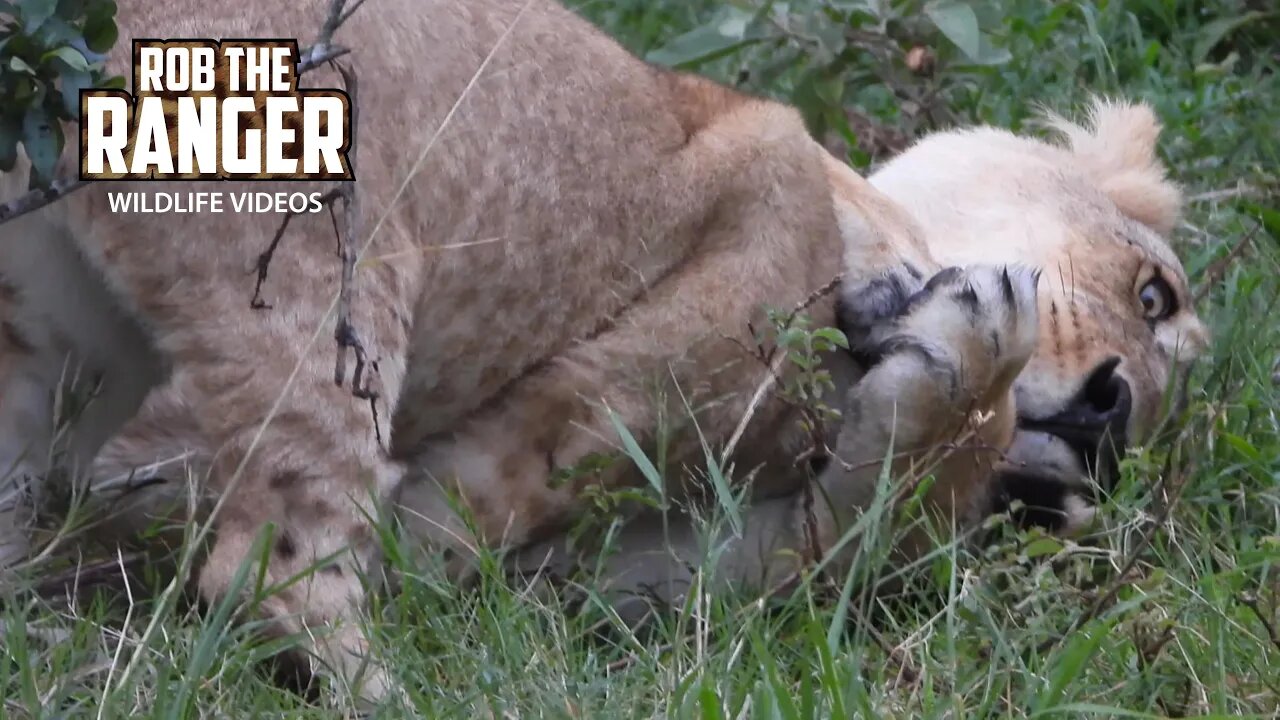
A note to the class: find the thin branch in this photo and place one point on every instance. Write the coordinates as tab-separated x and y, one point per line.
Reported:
37	199
1218	268
1240	190
813	297
315	56
1251	601
263	264
105	572
346	229
333	20
344	332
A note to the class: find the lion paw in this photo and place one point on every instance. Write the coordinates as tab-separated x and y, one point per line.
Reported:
952	347
864	312
976	326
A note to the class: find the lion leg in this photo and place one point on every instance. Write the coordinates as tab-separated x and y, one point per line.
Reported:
22	447
152	476
684	341
312	476
951	354
72	370
282	455
316	475
502	463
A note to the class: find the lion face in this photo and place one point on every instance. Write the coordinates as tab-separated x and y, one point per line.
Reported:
1117	323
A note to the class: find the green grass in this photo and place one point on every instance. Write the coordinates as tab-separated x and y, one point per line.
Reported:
1172	608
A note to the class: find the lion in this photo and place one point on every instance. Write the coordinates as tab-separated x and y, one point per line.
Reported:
1068	347
562	240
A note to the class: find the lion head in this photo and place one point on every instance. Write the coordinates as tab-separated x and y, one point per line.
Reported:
1118	326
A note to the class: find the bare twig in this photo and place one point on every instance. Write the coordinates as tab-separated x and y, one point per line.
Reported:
1218	268
1240	190
324	50
628	660
103	572
37	199
266	256
1251	601
315	56
346	228
344	332
814	297
337	15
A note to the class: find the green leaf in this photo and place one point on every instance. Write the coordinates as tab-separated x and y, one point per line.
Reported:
212	637
71	9
780	690
959	24
35	12
833	336
1213	33
56	32
1269	217
767	72
989	13
790	337
72	83
1042	546
723	36
1242	446
709	702
724	495
989	54
68	55
1069	663
830	89
103	8
17	64
100	31
637	455
807	96
42	139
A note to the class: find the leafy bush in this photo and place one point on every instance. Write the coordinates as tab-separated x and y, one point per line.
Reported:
871	74
49	51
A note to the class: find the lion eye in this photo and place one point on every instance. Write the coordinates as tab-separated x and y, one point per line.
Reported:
1157	299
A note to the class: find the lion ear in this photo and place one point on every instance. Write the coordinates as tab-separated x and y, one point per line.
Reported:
1117	148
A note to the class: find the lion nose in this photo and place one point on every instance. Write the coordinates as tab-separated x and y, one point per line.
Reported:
1105	399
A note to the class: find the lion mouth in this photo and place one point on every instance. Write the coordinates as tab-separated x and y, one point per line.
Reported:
1059	466
1094	424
